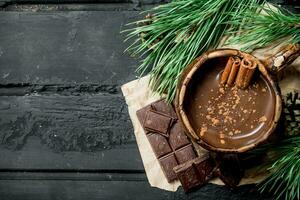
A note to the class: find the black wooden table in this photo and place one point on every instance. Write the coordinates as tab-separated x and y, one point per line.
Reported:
65	132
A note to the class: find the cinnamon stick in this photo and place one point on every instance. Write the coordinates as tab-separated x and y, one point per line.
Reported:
227	70
234	71
245	73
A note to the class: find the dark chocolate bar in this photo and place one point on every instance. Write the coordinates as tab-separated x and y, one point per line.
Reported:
176	154
195	172
166	136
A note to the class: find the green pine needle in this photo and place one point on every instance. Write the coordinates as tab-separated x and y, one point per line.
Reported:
284	157
284	181
260	30
179	32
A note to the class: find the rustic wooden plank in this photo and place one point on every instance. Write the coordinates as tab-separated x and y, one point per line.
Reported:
73	175
65	47
74	7
68	189
213	192
81	3
90	131
110	186
107	186
60	100
5	3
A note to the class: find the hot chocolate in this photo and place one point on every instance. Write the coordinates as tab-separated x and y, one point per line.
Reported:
225	115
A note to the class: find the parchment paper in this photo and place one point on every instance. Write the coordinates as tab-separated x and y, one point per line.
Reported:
137	95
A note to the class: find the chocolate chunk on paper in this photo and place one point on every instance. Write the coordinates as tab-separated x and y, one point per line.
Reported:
185	154
205	166
188	176
177	137
167	163
166	136
195	173
157	122
141	115
161	106
159	144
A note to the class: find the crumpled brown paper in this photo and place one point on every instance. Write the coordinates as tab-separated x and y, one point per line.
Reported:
138	94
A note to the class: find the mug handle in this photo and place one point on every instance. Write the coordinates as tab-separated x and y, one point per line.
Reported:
285	56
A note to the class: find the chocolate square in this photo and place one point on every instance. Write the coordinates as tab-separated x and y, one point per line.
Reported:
204	166
188	176
185	154
141	115
177	138
157	122
163	107
159	144
167	164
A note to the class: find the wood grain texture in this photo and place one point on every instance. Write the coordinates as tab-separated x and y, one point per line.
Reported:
114	189
136	3
64	123
65	47
72	132
65	190
60	99
106	186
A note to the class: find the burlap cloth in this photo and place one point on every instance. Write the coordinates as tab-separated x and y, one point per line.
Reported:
138	94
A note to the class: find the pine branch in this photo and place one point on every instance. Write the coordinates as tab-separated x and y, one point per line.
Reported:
284	181
261	29
179	32
284	162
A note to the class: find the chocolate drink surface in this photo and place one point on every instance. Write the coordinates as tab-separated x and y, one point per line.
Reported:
225	116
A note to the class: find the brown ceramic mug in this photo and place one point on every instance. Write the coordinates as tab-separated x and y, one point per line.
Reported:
193	76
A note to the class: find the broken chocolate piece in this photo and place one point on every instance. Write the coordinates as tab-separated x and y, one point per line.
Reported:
177	138
185	154
159	144
166	135
195	172
167	163
157	122
205	166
